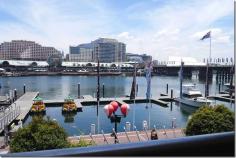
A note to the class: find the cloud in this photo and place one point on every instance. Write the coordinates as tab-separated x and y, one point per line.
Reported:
158	28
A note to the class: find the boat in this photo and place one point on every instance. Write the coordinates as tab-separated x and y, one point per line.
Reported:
38	105
193	97
69	105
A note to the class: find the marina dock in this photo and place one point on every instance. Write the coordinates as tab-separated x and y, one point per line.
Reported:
131	136
25	103
223	97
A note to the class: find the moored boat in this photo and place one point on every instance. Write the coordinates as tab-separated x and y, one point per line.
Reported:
193	97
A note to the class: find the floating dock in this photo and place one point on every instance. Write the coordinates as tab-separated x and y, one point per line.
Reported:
60	102
223	97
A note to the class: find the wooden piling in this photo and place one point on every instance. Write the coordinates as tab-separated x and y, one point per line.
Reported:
103	90
167	88
24	88
171	93
78	90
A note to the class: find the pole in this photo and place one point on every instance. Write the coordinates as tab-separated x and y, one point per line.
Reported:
206	86
103	90
167	88
181	78
219	88
210	48
98	87
78	90
171	93
15	94
24	88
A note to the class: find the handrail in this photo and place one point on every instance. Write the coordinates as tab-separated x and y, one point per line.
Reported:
218	144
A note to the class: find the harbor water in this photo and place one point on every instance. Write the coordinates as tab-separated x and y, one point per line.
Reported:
58	87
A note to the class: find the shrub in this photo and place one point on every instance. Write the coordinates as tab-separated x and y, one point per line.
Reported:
82	143
40	134
210	120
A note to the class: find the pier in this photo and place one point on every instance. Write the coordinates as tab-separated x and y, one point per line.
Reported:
18	110
25	103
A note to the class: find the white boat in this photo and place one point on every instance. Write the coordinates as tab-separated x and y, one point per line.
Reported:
193	97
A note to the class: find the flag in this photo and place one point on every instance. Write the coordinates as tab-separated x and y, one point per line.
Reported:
148	78
208	35
133	88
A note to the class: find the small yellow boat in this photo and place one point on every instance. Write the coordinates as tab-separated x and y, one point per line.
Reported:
69	105
38	105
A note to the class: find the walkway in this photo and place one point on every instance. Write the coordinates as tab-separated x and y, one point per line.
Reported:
131	136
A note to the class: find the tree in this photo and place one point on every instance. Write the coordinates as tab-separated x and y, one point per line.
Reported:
40	134
210	120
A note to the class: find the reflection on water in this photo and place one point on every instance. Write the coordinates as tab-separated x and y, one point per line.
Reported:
69	116
187	109
154	115
58	87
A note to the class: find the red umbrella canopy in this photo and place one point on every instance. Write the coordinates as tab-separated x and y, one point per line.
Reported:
115	105
108	109
124	109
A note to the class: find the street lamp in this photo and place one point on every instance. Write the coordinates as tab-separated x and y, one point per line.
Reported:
111	109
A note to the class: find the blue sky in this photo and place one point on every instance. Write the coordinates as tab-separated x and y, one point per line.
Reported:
160	28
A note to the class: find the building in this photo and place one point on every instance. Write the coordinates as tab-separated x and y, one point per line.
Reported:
108	50
25	50
140	58
176	61
81	53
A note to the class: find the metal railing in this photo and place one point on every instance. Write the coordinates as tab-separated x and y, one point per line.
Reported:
218	144
8	115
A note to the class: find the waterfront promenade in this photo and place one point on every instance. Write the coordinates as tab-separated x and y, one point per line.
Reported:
131	136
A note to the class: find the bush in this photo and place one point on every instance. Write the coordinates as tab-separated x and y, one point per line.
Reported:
210	120
82	143
40	134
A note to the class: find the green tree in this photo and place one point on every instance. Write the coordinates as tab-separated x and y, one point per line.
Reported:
210	120
40	134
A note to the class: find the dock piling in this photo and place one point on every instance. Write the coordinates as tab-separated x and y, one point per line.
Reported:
24	88
78	90
103	90
15	94
171	93
219	88
167	88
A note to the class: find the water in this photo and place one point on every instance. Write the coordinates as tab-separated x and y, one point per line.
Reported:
80	123
58	87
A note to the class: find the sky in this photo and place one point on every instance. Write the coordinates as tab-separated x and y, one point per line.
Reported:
160	28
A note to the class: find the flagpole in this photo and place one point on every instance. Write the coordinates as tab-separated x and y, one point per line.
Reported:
134	97
98	89
210	48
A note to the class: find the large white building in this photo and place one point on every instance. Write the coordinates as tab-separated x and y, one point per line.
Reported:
108	50
25	50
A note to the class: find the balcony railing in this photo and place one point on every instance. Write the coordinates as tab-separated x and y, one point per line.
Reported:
219	144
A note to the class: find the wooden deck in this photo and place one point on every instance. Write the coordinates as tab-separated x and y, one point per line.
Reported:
122	100
25	103
131	136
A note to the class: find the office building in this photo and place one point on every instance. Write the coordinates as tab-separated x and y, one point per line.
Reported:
108	50
26	50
